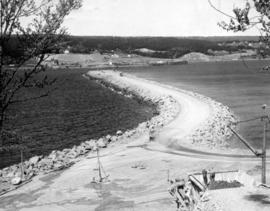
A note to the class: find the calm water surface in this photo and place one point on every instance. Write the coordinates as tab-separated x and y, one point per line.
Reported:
79	109
239	85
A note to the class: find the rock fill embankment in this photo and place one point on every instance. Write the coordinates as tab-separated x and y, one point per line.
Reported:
214	132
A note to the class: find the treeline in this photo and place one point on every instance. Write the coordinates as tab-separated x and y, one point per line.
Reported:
131	43
165	47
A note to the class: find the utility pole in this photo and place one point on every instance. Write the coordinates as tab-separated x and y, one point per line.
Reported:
265	119
99	166
22	167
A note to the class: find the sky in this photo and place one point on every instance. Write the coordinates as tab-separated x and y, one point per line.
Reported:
151	18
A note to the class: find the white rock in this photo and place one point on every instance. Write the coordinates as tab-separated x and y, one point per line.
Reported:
16	181
101	143
114	138
34	160
90	145
53	156
119	133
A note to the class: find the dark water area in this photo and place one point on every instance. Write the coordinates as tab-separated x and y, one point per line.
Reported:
240	85
79	109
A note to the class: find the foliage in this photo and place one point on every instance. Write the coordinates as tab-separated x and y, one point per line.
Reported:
242	20
33	29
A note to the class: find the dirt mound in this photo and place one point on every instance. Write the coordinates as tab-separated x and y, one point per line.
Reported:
77	58
195	56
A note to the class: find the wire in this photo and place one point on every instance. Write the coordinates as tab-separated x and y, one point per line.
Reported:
248	120
230	16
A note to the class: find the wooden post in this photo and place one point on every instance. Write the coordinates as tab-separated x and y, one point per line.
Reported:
264	155
264	119
22	170
99	167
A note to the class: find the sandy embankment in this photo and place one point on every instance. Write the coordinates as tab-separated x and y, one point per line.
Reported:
138	169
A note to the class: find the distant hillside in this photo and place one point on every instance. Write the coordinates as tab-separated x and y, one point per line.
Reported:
130	43
164	47
228	38
154	43
160	47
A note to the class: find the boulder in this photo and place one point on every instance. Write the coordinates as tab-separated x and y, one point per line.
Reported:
80	150
128	133
73	153
101	143
114	138
119	133
83	145
60	153
34	160
89	145
53	155
16	181
30	174
108	137
65	151
45	163
58	165
10	174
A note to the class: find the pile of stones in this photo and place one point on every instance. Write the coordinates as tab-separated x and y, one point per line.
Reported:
215	131
56	160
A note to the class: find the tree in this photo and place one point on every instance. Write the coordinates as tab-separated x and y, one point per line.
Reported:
241	20
255	13
29	31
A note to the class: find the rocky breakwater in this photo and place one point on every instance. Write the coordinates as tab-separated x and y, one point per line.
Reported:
213	133
166	106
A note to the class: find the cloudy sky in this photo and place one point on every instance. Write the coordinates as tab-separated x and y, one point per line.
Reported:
151	18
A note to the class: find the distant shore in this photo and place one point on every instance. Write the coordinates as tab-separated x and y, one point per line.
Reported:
97	61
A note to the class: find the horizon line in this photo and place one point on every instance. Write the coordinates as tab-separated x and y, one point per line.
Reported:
162	36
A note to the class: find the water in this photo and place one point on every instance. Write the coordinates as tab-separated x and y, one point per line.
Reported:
239	85
79	109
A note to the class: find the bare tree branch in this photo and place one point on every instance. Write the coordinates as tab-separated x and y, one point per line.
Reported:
33	42
220	11
32	98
